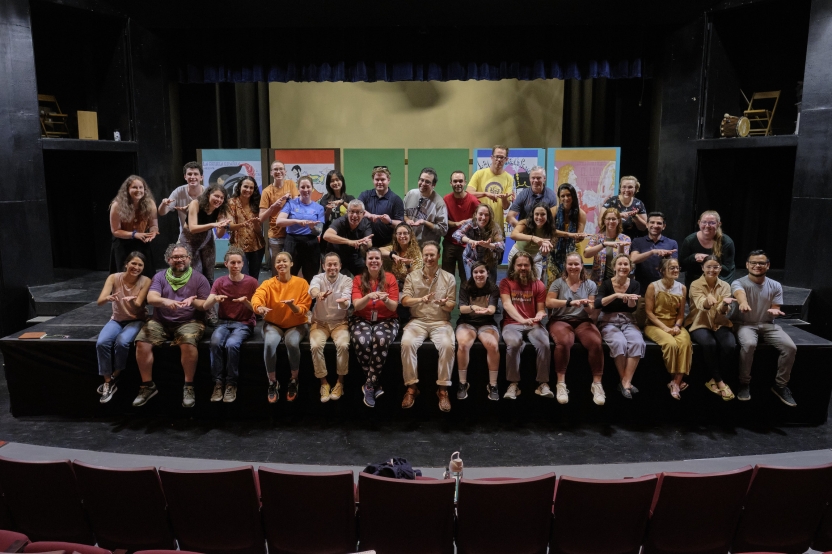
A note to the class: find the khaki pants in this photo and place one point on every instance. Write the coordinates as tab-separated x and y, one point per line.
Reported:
442	335
340	334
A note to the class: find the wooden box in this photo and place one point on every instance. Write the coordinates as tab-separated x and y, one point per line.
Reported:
88	125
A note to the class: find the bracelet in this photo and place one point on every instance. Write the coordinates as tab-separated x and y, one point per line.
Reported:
134	234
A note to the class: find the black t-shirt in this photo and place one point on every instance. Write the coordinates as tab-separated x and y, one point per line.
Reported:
616	305
341	226
482	297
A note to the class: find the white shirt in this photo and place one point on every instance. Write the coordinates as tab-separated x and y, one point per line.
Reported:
328	310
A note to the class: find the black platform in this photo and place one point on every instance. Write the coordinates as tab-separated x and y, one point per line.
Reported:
59	376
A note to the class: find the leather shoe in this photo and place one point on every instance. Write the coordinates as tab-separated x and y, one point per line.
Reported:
444	401
409	397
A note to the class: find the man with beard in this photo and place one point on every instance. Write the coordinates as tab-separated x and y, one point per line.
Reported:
461	206
759	300
272	200
350	237
425	211
528	198
384	208
493	185
524	307
178	297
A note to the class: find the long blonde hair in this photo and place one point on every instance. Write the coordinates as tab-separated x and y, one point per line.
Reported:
717	250
126	212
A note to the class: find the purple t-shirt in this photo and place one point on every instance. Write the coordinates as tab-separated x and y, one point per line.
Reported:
197	286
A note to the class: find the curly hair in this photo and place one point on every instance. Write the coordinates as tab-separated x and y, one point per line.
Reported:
549	229
602	227
204	198
255	196
511	274
172	247
126	211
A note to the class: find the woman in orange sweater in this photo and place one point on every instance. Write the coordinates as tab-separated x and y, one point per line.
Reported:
283	301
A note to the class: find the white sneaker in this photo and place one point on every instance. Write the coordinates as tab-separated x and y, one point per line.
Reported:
562	393
598	395
544	391
513	392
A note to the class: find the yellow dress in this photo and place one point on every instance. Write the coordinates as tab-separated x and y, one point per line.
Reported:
676	351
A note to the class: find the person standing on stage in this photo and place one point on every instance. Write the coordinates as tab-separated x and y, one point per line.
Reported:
336	200
246	232
178	297
233	293
350	237
425	211
384	208
709	240
431	296
759	300
133	223
303	220
461	206
493	186
182	196
273	199
529	198
332	291
632	210
203	218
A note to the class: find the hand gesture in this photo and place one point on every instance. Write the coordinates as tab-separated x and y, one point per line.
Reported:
239	300
418	222
673	331
744	307
342	300
491	196
112	298
129	298
699	257
311	223
220	297
188	301
385	219
262	310
581	302
289	302
727	300
181	208
253	222
427	298
579	236
440	301
537	319
222	223
167	201
712	301
150	236
324	295
633	298
775	312
402	260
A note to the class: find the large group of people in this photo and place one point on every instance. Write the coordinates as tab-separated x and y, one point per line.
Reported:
373	269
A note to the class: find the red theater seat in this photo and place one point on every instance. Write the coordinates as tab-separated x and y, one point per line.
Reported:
68	547
7	538
165	552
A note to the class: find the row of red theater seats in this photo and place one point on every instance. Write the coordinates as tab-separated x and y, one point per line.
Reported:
240	510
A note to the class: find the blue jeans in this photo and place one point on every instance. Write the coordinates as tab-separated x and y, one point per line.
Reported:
113	344
227	338
272	335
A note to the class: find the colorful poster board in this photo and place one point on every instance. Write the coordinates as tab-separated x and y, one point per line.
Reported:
443	160
315	163
359	164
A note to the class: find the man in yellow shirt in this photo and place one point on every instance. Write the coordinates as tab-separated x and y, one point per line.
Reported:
494	186
272	200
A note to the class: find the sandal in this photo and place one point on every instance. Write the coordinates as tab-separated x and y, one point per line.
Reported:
683	386
712	386
674	390
726	393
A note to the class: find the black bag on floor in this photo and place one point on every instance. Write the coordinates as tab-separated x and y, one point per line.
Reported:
394	468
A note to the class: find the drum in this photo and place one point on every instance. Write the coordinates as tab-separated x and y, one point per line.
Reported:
733	126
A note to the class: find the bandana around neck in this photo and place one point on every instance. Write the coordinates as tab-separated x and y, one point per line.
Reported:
177	283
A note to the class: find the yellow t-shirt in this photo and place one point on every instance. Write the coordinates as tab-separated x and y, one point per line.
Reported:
484	180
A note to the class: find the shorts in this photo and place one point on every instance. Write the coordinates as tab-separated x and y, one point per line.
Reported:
479	329
156	334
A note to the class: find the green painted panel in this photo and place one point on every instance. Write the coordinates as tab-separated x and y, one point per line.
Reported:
443	160
359	164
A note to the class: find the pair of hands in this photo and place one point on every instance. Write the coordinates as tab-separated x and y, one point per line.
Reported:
223	298
146	237
628	298
263	310
327	293
745	308
414	222
168	201
545	244
503	196
534	320
278	204
334	204
629	213
117	298
613	243
479	310
177	305
358	243
222	223
662	253
375	218
483	243
430	298
581	302
378	295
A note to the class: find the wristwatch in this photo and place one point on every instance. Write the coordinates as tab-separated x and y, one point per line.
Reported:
568	302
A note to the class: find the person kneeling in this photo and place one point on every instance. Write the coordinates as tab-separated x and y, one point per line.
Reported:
178	296
333	290
431	296
233	293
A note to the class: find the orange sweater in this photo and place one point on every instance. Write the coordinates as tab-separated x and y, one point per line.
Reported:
271	294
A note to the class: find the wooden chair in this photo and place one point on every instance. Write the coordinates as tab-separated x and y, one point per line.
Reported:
52	119
760	118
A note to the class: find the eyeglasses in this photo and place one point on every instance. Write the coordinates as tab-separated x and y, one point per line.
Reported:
500	158
709	223
758	263
183	257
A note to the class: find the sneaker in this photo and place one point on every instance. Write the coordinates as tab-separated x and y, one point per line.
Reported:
188	397
211	318
462	391
513	392
783	393
598	395
292	390
336	392
100	389
145	394
108	392
544	391
369	395
626	393
379	391
325	392
274	388
562	393
744	394
493	392
230	393
216	396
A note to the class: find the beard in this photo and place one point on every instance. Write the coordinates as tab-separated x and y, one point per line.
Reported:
524	278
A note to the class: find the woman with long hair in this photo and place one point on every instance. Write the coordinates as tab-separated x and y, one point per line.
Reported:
538	236
478	297
483	240
709	240
243	212
570	220
632	210
618	299
133	223
708	324
664	304
571	300
606	245
374	324
406	256
336	199
127	292
304	221
203	218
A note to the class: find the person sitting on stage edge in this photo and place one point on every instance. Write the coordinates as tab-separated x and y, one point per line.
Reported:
283	301
424	210
708	241
664	305
183	195
127	291
246	233
374	323
272	201
524	307
333	291
384	208
572	301
431	296
617	299
133	223
350	237
203	218
478	297
605	245
233	293
178	296
709	326
461	206
303	220
632	210
759	300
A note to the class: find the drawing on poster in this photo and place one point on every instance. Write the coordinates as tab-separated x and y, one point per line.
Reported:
313	163
592	171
